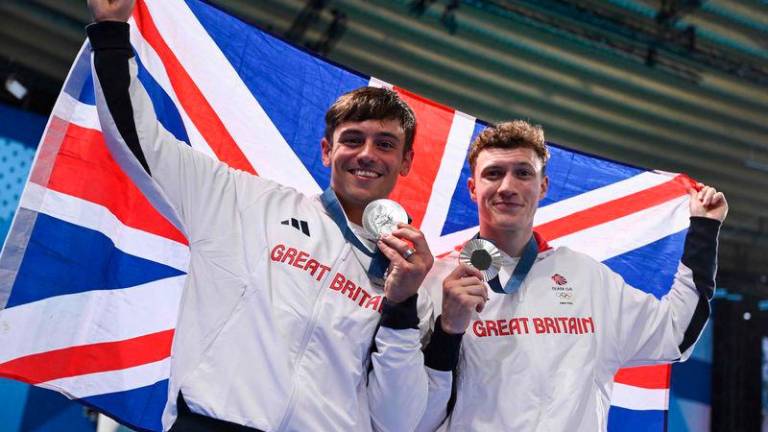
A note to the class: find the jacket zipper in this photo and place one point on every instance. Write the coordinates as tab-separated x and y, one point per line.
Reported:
310	329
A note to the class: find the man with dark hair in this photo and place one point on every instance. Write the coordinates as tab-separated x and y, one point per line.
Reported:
276	323
371	103
538	351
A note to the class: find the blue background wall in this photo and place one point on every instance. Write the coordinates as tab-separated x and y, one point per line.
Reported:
690	401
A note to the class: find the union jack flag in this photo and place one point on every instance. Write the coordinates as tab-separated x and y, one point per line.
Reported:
92	273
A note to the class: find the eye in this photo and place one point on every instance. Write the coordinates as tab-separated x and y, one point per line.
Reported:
351	140
386	145
524	172
493	174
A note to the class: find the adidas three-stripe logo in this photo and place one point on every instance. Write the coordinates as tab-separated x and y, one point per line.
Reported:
298	224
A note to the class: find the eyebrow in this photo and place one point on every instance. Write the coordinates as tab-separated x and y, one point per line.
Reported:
389	135
503	166
378	134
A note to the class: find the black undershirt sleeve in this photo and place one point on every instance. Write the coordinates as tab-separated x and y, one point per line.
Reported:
111	45
700	255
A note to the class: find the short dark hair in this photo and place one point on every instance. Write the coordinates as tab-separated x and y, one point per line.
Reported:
371	103
510	135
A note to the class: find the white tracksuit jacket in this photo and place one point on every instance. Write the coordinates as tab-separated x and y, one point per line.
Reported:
278	315
544	357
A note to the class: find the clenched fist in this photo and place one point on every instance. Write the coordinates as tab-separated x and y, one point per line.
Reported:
408	265
464	292
708	202
111	10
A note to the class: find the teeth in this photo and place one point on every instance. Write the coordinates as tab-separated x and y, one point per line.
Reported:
365	173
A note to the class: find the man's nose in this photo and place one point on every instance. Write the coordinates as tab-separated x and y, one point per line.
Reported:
367	151
508	184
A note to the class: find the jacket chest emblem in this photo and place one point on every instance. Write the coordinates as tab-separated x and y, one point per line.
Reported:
563	293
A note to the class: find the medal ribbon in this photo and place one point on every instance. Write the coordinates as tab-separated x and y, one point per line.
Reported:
522	269
379	263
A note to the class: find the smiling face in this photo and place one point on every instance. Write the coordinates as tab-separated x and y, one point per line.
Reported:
507	185
365	158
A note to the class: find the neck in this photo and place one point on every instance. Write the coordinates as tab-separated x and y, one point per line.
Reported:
512	242
353	211
354	214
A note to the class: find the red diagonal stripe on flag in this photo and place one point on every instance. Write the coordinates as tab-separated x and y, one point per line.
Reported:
87	359
85	169
434	123
615	209
649	377
190	97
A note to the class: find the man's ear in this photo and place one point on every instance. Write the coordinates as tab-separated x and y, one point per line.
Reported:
325	148
471	187
405	168
544	187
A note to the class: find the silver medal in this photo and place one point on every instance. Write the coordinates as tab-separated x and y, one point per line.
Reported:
482	255
381	217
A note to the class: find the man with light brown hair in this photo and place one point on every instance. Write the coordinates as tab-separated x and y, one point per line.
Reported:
537	346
